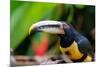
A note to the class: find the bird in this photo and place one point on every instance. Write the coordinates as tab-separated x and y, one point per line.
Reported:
71	44
75	45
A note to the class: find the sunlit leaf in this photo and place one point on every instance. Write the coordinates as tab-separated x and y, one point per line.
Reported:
24	16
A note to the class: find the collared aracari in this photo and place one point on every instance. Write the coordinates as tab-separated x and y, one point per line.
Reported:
72	44
76	46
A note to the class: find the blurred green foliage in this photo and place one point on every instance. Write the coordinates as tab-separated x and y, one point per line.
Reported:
22	17
24	14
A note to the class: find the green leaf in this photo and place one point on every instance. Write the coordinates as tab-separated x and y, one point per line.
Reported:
24	16
80	6
71	14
